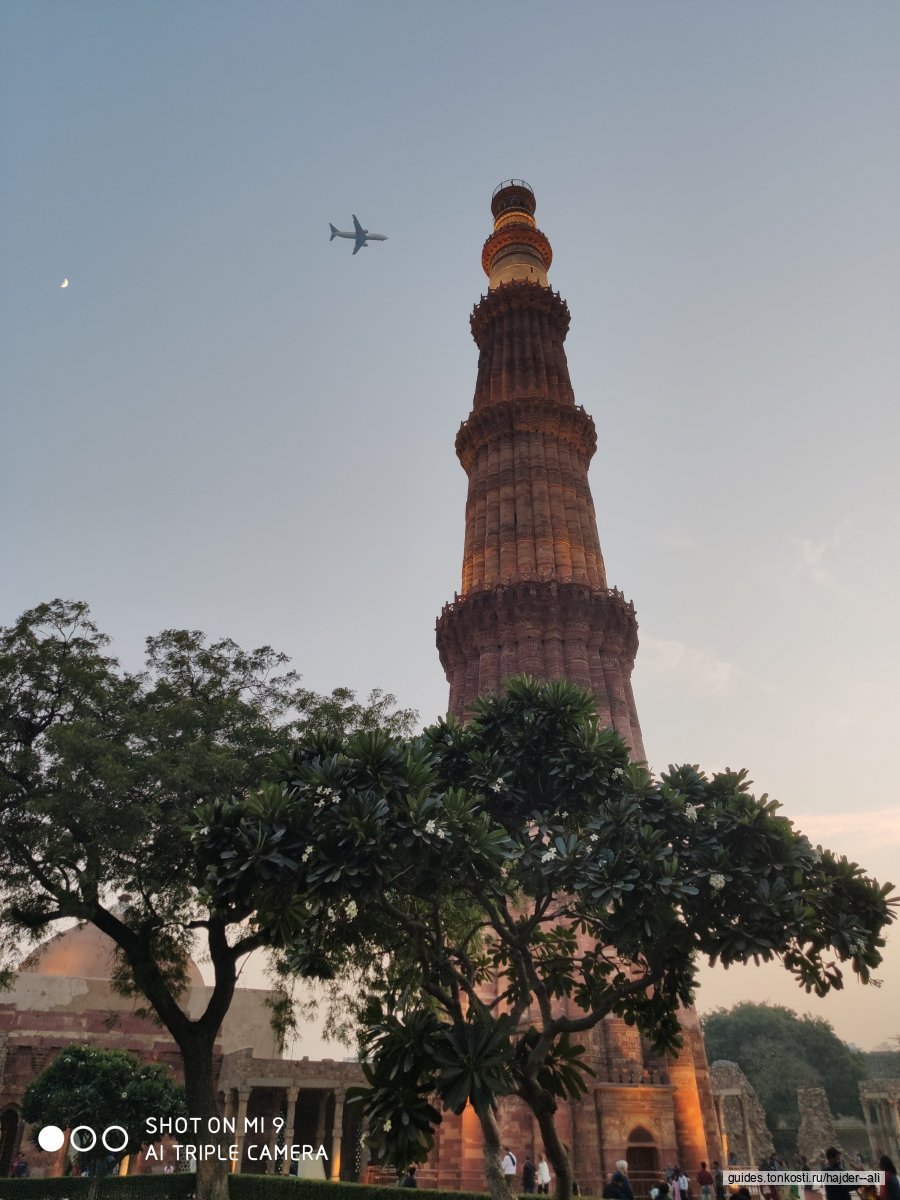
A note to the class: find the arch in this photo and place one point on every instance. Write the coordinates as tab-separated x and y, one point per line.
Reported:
640	1135
642	1153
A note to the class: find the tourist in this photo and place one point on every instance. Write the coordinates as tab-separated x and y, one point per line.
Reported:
509	1164
622	1179
543	1176
660	1191
410	1180
833	1165
528	1175
890	1189
706	1182
720	1179
613	1190
19	1167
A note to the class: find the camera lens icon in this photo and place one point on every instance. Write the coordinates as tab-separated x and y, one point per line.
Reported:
83	1139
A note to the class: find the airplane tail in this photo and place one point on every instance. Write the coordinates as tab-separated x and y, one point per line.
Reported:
333	232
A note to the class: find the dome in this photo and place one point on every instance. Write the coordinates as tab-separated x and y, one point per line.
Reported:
83	952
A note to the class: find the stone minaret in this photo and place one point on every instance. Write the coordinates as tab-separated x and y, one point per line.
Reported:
534	597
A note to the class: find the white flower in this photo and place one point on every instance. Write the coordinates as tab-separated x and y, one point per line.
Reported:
320	804
618	773
717	882
595	837
442	833
307	854
690	812
549	854
331	914
351	910
563	816
497	785
430	826
387	1126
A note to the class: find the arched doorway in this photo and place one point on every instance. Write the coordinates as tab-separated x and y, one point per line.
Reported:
9	1135
643	1160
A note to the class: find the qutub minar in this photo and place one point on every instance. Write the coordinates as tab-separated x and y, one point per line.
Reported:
535	600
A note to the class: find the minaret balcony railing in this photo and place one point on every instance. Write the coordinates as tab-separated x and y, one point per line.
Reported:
540	577
512	183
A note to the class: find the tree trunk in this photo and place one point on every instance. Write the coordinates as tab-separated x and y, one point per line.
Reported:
543	1105
199	1087
497	1183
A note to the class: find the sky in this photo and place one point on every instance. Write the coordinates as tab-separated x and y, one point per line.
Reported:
227	422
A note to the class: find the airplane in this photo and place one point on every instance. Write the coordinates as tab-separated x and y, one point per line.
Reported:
361	236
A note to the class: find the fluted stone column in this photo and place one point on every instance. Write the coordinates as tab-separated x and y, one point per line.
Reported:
337	1132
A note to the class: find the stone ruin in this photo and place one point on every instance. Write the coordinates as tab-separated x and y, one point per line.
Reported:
816	1130
742	1119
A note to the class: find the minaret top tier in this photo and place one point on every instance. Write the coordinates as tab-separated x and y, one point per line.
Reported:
516	249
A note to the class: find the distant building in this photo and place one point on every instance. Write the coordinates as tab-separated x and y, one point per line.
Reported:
63	995
881	1109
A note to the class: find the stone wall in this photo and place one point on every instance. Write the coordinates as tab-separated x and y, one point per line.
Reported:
816	1130
741	1116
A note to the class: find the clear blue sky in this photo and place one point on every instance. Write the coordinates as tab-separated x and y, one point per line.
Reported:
227	422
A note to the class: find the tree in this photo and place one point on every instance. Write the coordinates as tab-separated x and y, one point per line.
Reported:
101	773
99	1088
779	1051
525	847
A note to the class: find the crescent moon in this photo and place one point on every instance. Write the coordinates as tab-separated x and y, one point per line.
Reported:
65	283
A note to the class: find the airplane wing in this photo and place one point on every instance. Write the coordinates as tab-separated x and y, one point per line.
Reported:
360	242
360	232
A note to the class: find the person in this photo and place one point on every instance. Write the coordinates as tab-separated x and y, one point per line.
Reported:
542	1177
528	1175
624	1181
684	1185
720	1179
660	1191
833	1164
706	1182
613	1190
890	1189
675	1183
19	1167
509	1164
410	1179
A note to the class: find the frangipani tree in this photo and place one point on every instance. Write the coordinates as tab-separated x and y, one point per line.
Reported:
525	846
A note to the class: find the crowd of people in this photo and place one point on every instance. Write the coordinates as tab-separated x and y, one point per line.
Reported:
708	1183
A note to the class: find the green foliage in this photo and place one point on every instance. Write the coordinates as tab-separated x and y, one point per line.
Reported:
105	775
107	1187
524	846
279	1187
779	1051
98	1088
180	1187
